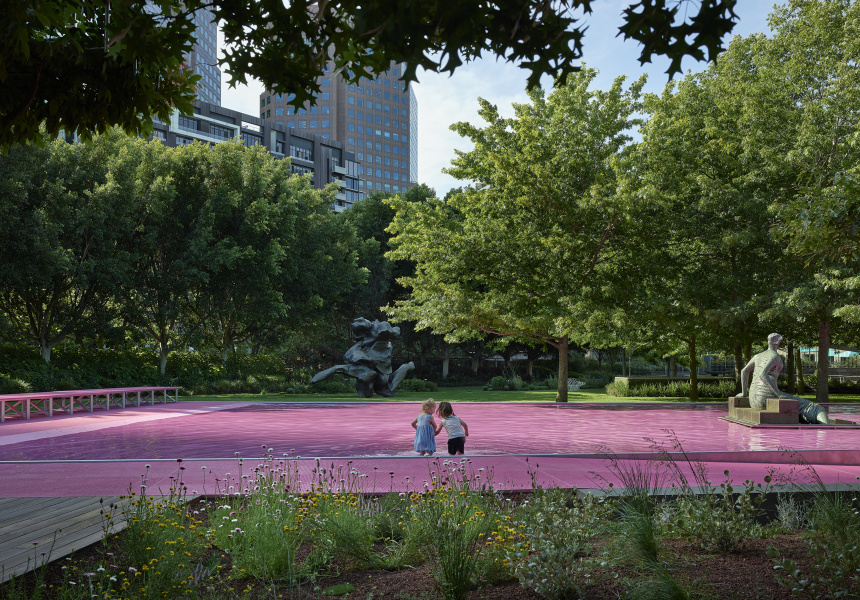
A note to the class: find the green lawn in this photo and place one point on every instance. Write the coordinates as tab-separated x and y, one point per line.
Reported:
461	394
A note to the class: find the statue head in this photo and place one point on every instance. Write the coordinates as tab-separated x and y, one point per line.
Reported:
773	340
361	328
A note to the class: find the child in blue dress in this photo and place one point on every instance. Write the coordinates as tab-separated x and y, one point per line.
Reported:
425	429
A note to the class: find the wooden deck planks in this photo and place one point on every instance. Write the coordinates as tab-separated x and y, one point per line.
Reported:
60	526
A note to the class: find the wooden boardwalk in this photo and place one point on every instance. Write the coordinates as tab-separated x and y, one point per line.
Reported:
56	526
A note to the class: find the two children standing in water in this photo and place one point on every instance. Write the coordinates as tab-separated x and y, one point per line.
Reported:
426	428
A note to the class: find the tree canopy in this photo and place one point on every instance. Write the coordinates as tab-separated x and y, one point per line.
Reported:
86	65
523	256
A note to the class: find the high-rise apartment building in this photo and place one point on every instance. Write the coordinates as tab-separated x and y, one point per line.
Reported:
375	118
325	161
203	58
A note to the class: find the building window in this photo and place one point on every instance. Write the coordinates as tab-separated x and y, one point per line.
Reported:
378	93
378	147
378	133
387	82
378	106
396	71
396	137
268	113
315	110
404	139
157	134
303	124
387	95
262	102
387	188
325	110
350	126
325	135
324	82
395	110
314	124
183	141
291	110
404	151
360	156
351	87
360	129
388	174
378	159
279	111
361	103
279	97
378	186
396	150
220	132
379	172
250	139
325	124
396	176
350	113
188	124
388	108
269	100
387	135
387	148
350	99
387	161
360	115
350	141
387	122
369	118
291	124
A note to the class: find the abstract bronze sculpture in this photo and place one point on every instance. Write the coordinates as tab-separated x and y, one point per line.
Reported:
369	360
766	367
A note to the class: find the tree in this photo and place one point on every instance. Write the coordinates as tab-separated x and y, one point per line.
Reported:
69	224
270	247
173	187
85	65
801	91
517	256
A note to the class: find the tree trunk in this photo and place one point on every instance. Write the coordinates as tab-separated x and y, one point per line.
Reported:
561	394
445	362
798	363
46	352
694	376
673	366
162	358
623	364
739	365
823	361
789	369
476	362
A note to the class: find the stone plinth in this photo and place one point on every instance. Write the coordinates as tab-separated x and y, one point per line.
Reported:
779	411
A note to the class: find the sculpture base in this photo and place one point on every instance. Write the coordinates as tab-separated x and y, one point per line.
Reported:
780	412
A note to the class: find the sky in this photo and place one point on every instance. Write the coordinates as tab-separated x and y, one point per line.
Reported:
443	99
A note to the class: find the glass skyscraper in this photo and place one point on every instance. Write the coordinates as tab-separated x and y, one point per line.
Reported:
203	58
375	118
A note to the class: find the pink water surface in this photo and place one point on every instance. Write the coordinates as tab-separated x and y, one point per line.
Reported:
376	429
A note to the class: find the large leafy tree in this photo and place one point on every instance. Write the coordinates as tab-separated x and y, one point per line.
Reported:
270	248
524	255
801	90
69	223
85	65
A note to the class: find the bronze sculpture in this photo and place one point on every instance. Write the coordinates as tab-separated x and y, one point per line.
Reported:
766	367
369	360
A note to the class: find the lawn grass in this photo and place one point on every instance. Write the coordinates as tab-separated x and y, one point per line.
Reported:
464	394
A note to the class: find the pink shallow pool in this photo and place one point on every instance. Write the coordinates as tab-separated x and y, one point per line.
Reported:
194	430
